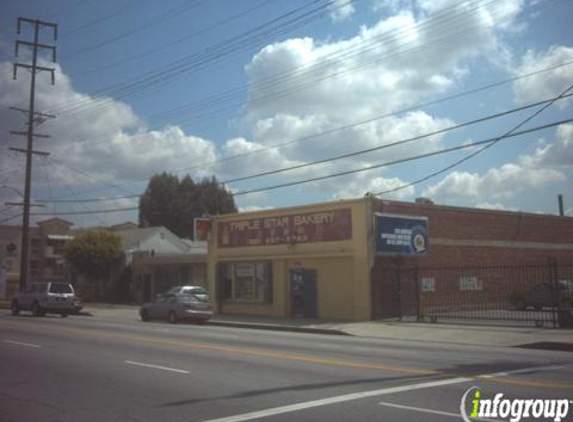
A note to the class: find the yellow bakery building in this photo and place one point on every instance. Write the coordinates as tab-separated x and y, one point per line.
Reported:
310	261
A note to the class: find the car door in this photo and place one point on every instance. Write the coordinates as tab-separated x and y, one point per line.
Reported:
164	305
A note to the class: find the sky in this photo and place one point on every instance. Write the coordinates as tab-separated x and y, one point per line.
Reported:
291	103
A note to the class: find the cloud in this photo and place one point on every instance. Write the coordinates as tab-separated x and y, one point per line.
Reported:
555	154
341	10
529	173
99	136
363	184
547	84
301	87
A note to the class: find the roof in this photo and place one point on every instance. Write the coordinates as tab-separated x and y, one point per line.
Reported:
132	239
54	220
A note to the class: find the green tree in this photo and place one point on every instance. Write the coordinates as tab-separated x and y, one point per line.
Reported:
174	203
93	254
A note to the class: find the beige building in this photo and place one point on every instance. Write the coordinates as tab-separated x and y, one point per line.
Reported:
310	261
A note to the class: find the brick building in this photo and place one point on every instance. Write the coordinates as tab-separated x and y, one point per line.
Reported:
471	257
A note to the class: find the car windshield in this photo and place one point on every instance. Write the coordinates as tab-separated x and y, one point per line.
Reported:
60	288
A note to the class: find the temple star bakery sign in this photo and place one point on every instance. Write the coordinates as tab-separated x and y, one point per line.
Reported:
401	234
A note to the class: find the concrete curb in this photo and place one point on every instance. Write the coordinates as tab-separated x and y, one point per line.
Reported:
277	327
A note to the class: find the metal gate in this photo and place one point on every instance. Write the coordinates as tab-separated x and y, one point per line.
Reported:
540	295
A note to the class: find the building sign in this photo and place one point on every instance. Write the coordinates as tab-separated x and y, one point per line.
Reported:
401	234
201	228
287	229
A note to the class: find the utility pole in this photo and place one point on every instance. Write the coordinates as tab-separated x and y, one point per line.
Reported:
35	46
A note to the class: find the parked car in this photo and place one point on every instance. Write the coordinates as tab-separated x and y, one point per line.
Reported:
198	291
175	307
43	298
546	295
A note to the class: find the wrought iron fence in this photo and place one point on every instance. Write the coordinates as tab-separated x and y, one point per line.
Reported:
540	295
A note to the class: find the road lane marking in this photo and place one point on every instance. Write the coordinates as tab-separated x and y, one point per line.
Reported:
334	400
280	356
163	368
434	412
19	343
362	395
523	371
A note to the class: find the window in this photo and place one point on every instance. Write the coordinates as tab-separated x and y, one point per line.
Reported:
60	288
470	283
246	282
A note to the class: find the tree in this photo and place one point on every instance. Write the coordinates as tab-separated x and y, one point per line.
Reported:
93	253
174	203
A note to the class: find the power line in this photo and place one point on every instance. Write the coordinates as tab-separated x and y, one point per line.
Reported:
162	47
479	151
402	142
176	11
351	154
404	160
229	95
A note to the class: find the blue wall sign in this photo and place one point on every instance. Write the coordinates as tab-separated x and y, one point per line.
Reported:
401	234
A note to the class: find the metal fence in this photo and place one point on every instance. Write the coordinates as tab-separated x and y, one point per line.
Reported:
539	295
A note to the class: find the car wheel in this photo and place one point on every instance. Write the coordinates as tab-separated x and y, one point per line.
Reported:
15	308
36	311
144	316
172	317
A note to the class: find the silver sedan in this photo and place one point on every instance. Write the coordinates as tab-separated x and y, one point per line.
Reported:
177	307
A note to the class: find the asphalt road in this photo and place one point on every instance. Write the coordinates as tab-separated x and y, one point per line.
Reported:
82	369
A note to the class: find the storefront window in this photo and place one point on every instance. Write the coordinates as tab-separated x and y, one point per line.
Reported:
245	282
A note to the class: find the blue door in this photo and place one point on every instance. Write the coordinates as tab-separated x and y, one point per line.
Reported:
304	294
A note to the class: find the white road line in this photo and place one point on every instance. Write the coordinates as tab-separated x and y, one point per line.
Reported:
366	394
336	399
522	371
19	343
147	365
434	412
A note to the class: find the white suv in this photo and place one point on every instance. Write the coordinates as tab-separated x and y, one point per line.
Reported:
42	298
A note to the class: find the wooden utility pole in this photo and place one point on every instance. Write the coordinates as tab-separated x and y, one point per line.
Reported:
35	46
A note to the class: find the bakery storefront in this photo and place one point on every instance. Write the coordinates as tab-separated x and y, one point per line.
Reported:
309	261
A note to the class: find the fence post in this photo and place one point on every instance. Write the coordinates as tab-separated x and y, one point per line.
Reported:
554	303
397	262
418	298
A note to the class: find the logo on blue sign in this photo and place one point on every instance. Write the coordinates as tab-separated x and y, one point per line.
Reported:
401	234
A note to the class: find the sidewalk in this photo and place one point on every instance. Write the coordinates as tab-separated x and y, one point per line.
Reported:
482	335
467	334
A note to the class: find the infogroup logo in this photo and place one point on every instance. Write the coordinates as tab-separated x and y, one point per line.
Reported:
512	409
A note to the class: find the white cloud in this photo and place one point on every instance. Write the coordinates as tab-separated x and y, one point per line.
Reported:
104	137
404	59
547	84
341	10
494	206
363	184
497	183
556	154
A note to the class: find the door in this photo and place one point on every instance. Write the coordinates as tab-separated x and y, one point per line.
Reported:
304	294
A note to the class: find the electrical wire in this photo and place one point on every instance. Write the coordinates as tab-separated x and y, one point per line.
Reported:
479	151
403	160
